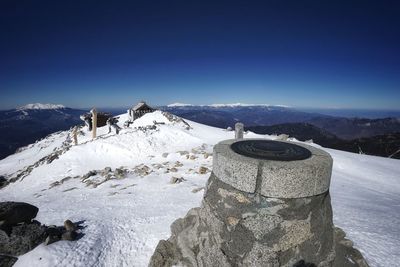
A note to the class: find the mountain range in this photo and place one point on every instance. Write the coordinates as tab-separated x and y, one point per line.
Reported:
360	135
24	125
264	115
385	145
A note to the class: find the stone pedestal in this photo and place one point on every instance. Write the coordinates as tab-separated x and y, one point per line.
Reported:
266	204
239	129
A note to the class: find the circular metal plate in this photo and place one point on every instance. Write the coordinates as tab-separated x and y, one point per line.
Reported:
270	150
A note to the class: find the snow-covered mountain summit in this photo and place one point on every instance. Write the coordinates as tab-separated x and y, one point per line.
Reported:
41	106
232	105
127	189
177	104
228	105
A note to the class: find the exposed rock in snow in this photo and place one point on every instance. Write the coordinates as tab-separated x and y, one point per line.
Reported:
12	213
19	233
22	238
7	261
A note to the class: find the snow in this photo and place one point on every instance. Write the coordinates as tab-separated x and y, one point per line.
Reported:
41	106
236	105
124	219
232	105
366	204
179	105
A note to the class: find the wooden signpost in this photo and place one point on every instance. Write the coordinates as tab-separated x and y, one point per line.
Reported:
75	135
94	122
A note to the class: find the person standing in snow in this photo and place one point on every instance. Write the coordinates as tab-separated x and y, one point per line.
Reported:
112	122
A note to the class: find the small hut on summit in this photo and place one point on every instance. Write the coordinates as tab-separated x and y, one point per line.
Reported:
139	110
102	118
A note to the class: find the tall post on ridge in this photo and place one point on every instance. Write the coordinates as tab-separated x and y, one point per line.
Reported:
75	135
94	122
239	128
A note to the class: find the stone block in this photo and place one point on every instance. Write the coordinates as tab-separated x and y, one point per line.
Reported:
280	179
234	169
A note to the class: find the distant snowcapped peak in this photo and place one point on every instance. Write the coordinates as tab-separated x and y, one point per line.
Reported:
179	105
246	105
226	105
41	106
236	105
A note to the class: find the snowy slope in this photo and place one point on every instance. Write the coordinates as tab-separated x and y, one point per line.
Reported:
124	218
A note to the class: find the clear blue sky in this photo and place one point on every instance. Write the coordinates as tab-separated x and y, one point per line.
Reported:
114	53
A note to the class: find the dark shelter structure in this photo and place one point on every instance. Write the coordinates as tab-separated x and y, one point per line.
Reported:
139	110
102	118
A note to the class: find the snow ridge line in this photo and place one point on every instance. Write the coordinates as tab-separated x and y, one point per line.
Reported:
27	170
46	159
55	155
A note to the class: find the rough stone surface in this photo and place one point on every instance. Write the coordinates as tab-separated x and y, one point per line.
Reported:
203	170
280	179
69	226
293	179
239	225
236	170
12	213
164	255
106	171
69	235
53	230
7	261
176	180
346	254
239	129
51	239
22	239
20	234
3	181
235	228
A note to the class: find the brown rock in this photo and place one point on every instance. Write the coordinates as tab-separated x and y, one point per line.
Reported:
206	155
176	180
178	164
69	226
203	170
197	189
69	235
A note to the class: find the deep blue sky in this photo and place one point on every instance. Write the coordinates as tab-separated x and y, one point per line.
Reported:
326	54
